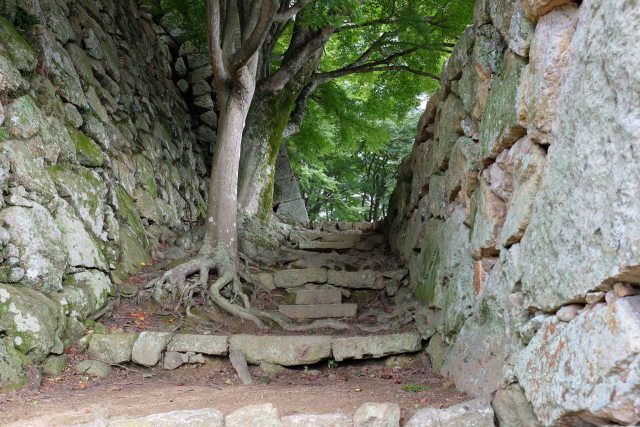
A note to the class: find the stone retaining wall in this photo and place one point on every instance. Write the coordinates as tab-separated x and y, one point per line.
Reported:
99	161
518	210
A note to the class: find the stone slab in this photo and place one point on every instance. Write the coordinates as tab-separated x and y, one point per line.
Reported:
366	279
375	346
315	420
206	344
474	413
298	277
318	311
148	348
316	245
320	296
282	350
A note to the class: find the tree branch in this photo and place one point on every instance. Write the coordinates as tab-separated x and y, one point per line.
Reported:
215	47
257	34
291	12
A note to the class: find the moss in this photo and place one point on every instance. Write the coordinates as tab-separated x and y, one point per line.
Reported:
128	212
88	152
19	50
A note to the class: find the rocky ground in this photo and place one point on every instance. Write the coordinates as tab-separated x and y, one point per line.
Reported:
321	375
71	398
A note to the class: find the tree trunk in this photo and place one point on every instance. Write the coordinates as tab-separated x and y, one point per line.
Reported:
267	118
221	226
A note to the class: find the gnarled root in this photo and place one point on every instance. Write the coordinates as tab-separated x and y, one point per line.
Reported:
174	286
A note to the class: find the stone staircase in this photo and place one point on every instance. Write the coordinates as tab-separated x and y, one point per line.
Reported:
333	260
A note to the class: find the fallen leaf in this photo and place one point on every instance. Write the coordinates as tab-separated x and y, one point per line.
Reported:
447	384
357	389
88	411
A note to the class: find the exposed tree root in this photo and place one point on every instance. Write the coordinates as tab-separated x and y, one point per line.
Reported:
175	287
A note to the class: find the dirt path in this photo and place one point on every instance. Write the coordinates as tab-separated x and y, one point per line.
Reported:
71	398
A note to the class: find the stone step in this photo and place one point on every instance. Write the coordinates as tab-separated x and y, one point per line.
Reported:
317	245
319	296
318	311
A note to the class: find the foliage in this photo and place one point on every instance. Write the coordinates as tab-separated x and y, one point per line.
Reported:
350	182
4	135
382	56
415	388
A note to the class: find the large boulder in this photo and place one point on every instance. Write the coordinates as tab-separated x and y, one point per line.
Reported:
32	321
12	377
254	415
39	243
112	348
587	211
371	414
587	368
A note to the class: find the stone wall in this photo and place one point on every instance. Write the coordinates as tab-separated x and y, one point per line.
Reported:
519	212
99	161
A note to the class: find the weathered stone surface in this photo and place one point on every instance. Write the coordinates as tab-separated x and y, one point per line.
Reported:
60	66
41	253
315	245
319	296
282	350
488	220
500	127
534	9
543	77
462	175
112	348
372	414
54	365
366	279
513	409
12	377
148	348
375	346
298	277
85	293
32	321
459	57
447	131
94	368
80	246
474	413
508	17
313	420
525	165
587	368
173	360
594	237
207	344
478	360
254	415
207	417
318	311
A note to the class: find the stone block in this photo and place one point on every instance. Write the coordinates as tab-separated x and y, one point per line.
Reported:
365	279
474	413
586	368
315	245
263	415
149	346
297	277
372	414
112	348
375	346
206	344
318	311
320	296
315	420
282	350
500	126
586	212
544	75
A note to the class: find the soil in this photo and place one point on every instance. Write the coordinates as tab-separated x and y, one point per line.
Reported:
71	398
